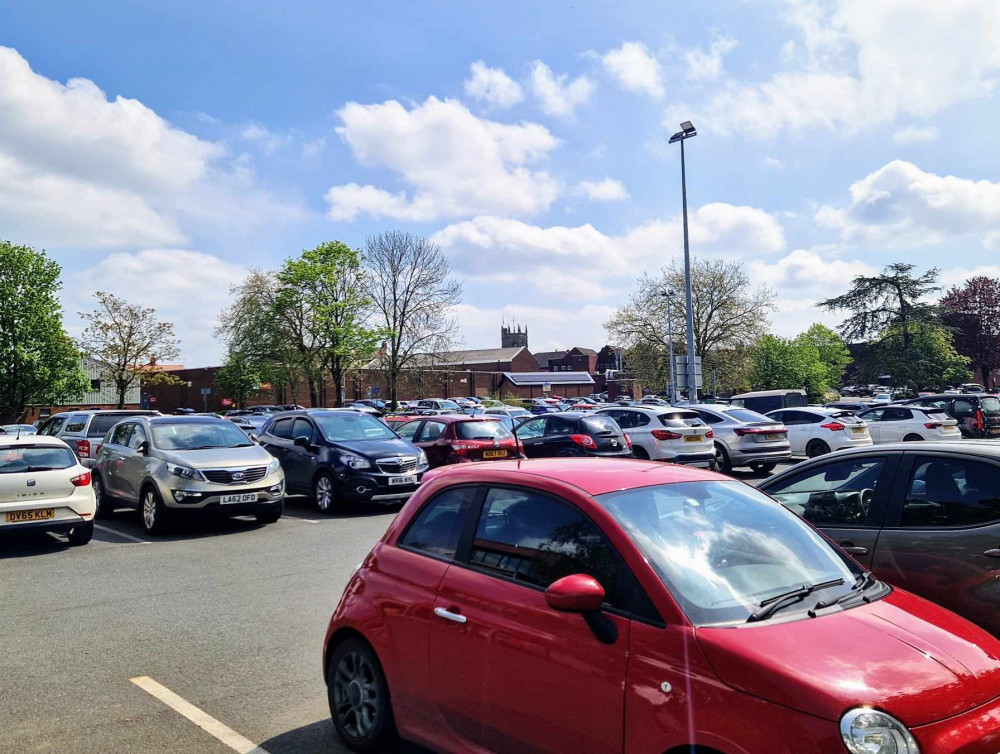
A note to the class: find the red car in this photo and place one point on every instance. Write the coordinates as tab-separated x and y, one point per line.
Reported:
569	605
459	439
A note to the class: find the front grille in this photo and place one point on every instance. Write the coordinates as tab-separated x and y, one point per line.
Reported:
399	465
236	476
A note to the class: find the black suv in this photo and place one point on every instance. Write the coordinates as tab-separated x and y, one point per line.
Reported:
978	415
339	455
573	433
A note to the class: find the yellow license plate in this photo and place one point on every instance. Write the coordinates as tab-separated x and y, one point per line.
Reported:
18	517
774	436
858	430
494	454
692	438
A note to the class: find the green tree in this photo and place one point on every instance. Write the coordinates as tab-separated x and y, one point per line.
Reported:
238	377
38	362
833	352
930	359
782	363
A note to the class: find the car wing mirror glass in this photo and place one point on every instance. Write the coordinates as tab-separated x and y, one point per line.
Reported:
143	448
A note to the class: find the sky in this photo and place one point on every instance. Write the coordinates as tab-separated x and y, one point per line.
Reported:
159	150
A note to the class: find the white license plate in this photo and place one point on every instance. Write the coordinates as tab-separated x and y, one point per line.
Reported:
246	497
397	480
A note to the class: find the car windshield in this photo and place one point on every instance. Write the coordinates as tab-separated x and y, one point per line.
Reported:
748	416
24	458
722	548
448	404
200	435
484	430
345	427
990	405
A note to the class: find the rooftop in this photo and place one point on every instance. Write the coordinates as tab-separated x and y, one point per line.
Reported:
473	356
550	378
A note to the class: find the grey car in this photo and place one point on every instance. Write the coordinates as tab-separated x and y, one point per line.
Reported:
922	516
170	465
744	437
83	430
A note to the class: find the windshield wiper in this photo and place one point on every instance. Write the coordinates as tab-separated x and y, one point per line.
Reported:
40	468
860	584
773	604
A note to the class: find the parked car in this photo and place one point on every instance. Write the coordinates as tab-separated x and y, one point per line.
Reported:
44	487
852	406
882	398
972	387
670	434
18	429
908	423
763	401
814	431
173	466
507	414
439	404
460	439
573	433
341	456
539	406
978	415
922	517
609	604
745	438
83	430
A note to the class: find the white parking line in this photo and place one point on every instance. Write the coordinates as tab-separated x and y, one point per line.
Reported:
123	535
286	517
203	720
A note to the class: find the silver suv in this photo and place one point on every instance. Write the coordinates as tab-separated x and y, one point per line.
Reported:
167	465
745	438
83	430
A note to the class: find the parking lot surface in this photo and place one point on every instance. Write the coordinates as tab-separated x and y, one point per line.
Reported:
221	625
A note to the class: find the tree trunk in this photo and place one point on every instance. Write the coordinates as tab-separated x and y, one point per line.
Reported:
121	395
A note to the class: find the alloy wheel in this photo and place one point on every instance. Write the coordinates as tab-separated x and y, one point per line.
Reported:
356	696
98	494
324	493
149	510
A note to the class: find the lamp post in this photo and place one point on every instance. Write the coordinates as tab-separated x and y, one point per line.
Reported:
669	296
686	132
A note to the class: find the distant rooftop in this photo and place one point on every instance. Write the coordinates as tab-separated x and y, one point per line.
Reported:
553	378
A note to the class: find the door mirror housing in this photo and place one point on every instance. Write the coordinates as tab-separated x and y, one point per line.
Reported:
302	442
254	439
143	448
577	593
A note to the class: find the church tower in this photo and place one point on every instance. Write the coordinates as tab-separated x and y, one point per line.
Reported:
513	338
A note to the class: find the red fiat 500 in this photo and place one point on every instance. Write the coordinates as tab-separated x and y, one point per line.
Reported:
625	606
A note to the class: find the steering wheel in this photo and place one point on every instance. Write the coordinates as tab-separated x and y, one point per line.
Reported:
867	495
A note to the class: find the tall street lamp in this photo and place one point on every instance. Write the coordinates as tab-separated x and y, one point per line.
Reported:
669	296
686	132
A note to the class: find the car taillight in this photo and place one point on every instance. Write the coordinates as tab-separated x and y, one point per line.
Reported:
665	434
81	481
628	440
710	434
585	440
833	426
980	419
933	425
83	449
743	431
461	449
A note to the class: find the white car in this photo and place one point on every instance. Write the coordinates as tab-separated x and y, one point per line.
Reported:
44	487
814	431
910	423
882	398
661	433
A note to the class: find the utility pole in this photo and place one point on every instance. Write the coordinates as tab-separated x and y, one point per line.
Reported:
687	131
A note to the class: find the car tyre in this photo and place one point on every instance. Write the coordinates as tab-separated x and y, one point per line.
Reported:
325	493
104	506
359	697
763	468
270	516
640	452
81	535
913	438
722	461
153	512
817	448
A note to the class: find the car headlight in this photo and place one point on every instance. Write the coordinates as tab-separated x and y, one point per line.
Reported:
274	467
868	731
355	462
421	459
184	472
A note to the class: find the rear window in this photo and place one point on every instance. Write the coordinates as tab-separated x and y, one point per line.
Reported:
938	416
746	415
488	430
101	423
990	405
597	424
681	419
30	458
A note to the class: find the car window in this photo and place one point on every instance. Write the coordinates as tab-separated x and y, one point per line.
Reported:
531	428
623	419
600	424
76	423
488	430
432	431
53	426
951	492
872	416
138	436
281	428
19	459
793	418
302	428
537	539
962	408
710	418
895	414
407	430
101	423
559	425
832	494
746	415
989	405
121	434
437	528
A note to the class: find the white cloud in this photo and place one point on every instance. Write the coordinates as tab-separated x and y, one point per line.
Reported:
181	277
267	139
314	147
549	328
455	163
607	190
915	134
635	69
557	95
703	65
774	162
865	64
493	86
901	206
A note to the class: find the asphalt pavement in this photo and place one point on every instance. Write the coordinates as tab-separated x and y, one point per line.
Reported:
221	625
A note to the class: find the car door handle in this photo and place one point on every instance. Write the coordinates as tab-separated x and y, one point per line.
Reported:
853	549
994	553
440	612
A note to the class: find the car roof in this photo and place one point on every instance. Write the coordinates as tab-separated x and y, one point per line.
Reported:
182	419
609	475
12	439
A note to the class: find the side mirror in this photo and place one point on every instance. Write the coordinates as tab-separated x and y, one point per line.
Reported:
577	593
302	442
143	448
254	439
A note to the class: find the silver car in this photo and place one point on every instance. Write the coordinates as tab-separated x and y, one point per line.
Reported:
83	430
167	465
745	438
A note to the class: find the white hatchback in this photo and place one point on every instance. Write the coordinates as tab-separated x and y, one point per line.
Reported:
44	487
910	423
815	431
665	433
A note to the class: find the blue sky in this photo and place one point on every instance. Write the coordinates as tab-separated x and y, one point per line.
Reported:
158	150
